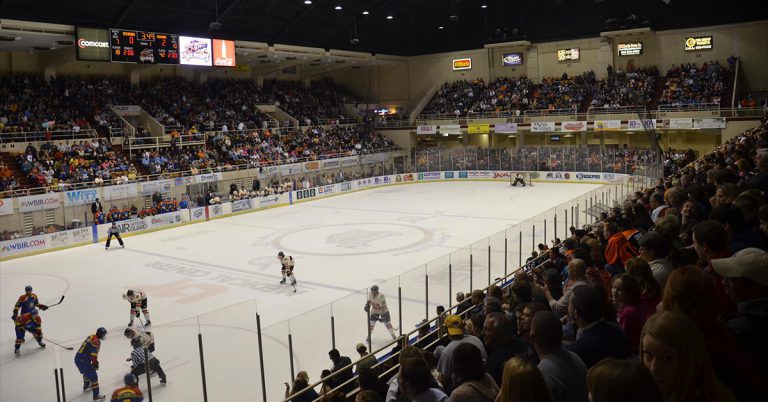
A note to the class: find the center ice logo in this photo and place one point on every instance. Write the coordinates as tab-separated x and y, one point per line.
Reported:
358	238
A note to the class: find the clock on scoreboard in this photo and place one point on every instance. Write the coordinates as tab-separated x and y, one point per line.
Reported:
143	47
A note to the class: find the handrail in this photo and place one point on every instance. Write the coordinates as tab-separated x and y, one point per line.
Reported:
615	110
688	107
734	101
37	136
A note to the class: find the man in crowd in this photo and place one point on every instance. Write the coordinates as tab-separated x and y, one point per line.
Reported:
502	344
454	325
563	371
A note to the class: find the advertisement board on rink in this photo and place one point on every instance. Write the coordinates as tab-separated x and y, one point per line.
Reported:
242	205
542	126
80	197
645	124
6	206
23	245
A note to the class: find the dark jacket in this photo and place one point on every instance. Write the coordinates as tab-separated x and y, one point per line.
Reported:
604	339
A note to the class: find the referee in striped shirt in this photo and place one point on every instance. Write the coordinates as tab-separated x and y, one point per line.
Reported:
138	361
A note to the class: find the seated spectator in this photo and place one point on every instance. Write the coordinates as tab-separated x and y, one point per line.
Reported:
367	361
672	349
654	251
300	383
650	291
631	317
454	325
339	362
367	396
471	382
621	380
522	382
739	235
368	380
564	372
596	338
577	272
524	324
415	380
502	344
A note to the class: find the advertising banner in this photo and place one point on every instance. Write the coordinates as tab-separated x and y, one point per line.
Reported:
119	192
311	166
512	59
364	183
208	177
474	128
462	64
503	128
346	186
215	210
423	176
560	176
716	122
268	201
184	181
39	202
450	129
68	237
169	218
197	214
573	126
271	171
367	159
304	194
331	164
326	190
479	174
242	205
678	123
291	168
644	124
148	188
501	175
127	226
80	197
448	175
6	206
542	126
426	130
24	245
92	44
195	51
630	48
607	125
224	53
348	161
588	176
696	43
565	55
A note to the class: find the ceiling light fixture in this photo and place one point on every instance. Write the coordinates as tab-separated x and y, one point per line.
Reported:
307	2
390	17
337	7
483	6
441	27
366	12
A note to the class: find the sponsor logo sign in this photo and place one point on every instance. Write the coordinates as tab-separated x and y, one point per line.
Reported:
120	191
641	124
267	201
479	174
505	128
609	176
408	177
426	130
364	183
208	177
501	175
215	210
450	129
311	166
448	175
387	179
164	219
224	53
463	175
332	163
131	225
542	126
564	55
462	64
429	176
717	122
304	194
678	123
6	206
148	188
25	245
329	189
272	171
195	51
399	178
376	180
478	128
630	48
573	126
558	176
695	43
349	161
346	186
605	125
512	59
70	237
588	176
92	44
39	202
242	205
197	214
184	181
79	197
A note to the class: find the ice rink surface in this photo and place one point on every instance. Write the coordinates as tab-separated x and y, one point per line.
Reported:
212	278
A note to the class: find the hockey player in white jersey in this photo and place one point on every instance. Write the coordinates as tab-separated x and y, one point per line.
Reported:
138	301
287	269
378	311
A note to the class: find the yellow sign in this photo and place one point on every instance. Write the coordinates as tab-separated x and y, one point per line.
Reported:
698	43
462	64
243	68
478	129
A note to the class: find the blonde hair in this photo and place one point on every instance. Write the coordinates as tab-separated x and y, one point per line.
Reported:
522	382
621	380
695	377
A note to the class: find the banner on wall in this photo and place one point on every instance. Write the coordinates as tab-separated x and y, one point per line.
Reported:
6	206
148	188
450	129
512	59
119	192
648	124
208	177
542	126
462	64
39	202
197	214
311	166
24	245
474	128
503	128
677	123
166	219
242	205
348	161
68	237
331	164
573	126
184	181
696	43
716	122
607	125
291	168
426	130
80	197
428	176
572	54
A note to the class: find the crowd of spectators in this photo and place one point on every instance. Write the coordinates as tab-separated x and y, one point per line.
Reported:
688	84
454	98
7	181
564	92
503	95
635	88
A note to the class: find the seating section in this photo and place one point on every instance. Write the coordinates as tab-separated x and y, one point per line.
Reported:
688	84
504	94
623	88
563	92
455	98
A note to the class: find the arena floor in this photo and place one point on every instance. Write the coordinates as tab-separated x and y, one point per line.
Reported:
212	278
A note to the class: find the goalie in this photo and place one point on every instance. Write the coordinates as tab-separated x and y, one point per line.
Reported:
518	180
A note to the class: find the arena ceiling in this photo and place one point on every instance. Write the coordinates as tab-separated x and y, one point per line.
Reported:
415	27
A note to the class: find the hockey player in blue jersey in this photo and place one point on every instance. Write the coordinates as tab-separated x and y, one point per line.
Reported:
27	303
87	362
28	322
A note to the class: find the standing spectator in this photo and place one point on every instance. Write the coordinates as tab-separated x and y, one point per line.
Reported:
654	251
96	207
564	371
367	361
339	362
454	325
502	344
614	380
415	382
471	382
522	382
672	348
596	338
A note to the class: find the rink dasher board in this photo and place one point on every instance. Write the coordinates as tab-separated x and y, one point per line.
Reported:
77	237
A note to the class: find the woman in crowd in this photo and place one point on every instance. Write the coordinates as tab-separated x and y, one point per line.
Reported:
625	290
299	383
614	380
650	292
472	383
522	382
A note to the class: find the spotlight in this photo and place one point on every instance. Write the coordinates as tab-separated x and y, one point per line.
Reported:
390	17
441	27
307	2
366	12
337	7
483	6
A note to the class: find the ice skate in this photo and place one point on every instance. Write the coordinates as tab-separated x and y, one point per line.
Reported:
17	353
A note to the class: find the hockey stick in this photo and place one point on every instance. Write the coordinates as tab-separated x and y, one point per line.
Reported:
59	302
52	342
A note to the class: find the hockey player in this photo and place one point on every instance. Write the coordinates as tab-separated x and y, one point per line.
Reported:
87	362
138	301
114	231
130	392
287	269
146	338
28	322
27	303
137	361
378	311
518	180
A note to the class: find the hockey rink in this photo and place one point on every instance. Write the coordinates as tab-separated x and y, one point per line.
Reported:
212	278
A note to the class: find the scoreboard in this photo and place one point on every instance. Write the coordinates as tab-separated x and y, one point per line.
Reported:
143	47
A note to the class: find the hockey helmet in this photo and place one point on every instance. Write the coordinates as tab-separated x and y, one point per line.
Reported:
129	292
28	288
136	342
130	379
281	254
129	332
374	288
101	332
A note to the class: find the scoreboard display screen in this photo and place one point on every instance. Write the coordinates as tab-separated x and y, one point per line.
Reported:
143	47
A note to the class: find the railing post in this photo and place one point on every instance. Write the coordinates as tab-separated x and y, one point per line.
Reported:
555	224
489	265
567	233
399	311
148	372
545	231
520	251
426	297
471	269
506	255
450	283
202	364
261	359
573	221
56	374
63	390
290	353
333	332
533	238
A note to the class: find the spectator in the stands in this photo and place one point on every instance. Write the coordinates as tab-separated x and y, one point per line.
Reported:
454	326
470	381
650	291
502	344
618	250
577	270
614	380
367	360
300	383
654	251
522	382
739	236
564	371
415	382
339	362
631	317
596	338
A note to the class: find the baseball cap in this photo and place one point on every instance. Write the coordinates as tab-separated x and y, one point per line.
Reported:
454	325
750	263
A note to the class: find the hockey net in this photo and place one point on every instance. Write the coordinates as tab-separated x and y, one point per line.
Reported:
520	179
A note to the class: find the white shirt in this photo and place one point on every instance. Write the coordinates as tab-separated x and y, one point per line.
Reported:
138	295
378	304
